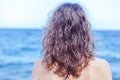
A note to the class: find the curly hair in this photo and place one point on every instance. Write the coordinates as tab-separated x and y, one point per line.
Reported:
68	43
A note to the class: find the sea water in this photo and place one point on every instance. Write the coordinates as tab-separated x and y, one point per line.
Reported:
20	48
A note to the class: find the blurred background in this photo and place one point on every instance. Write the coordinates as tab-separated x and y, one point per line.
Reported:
22	25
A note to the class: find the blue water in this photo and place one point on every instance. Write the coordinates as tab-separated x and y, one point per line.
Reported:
19	48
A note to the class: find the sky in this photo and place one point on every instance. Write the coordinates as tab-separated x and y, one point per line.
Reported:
102	14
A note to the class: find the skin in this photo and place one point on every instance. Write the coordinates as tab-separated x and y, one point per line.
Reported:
98	69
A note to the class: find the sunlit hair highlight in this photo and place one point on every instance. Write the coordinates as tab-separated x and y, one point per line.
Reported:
68	43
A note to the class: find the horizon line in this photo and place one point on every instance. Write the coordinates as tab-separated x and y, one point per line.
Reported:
26	28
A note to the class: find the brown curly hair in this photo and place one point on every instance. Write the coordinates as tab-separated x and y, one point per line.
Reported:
68	44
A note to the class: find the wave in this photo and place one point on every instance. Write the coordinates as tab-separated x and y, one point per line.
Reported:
7	60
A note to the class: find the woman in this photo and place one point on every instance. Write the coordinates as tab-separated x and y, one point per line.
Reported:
69	49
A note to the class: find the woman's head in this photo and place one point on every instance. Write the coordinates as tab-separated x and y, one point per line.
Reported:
68	43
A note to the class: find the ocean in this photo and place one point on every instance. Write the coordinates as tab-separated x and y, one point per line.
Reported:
20	48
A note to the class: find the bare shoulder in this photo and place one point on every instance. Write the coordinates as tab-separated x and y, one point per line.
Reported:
37	64
101	67
37	68
99	62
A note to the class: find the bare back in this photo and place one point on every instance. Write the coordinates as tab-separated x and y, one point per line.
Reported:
98	69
